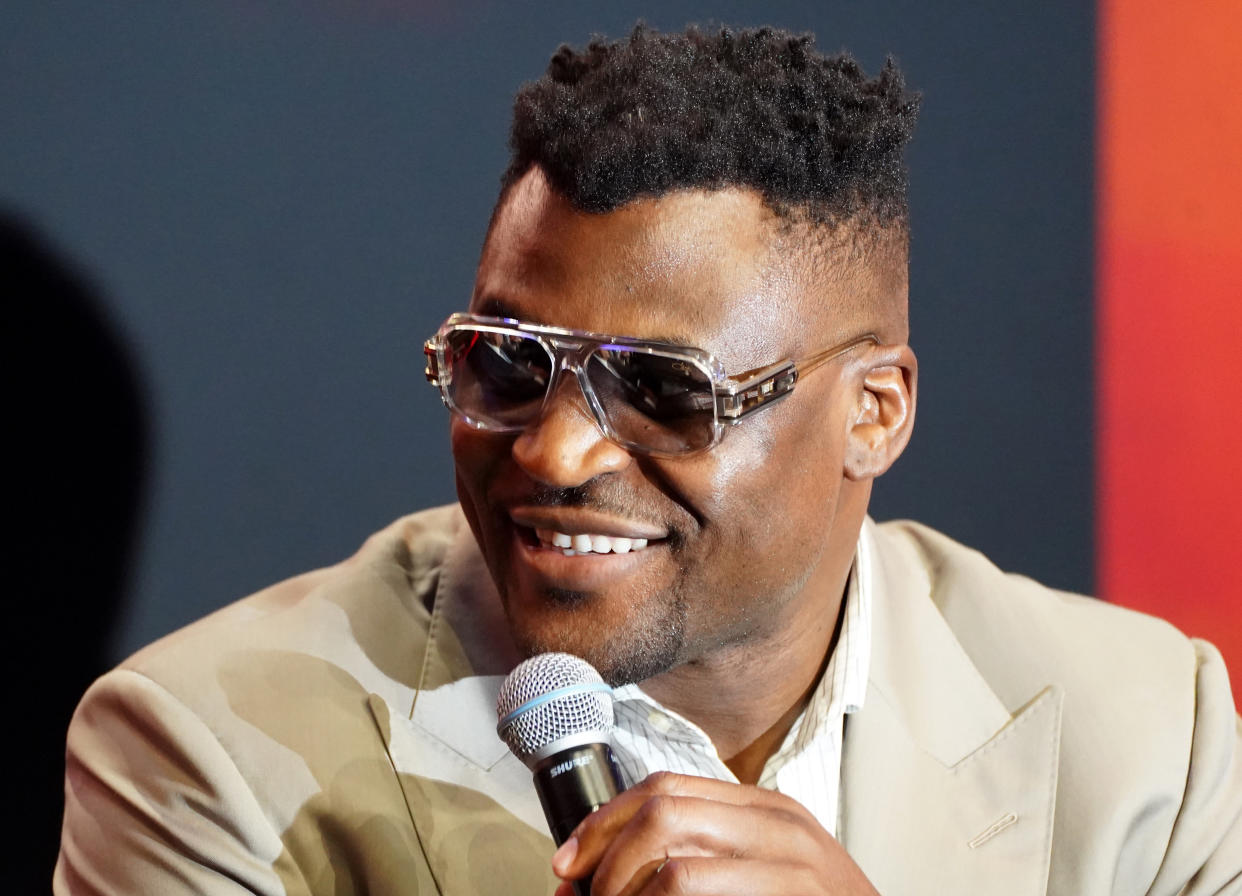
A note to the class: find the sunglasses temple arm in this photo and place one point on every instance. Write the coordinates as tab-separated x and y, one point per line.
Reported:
768	386
806	365
744	398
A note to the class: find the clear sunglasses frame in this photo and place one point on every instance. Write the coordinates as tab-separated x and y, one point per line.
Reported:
734	397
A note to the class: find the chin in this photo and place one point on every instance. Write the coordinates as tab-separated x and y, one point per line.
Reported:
642	648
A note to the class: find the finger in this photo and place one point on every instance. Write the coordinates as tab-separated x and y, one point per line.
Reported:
715	876
808	875
586	846
688	827
728	877
707	788
636	884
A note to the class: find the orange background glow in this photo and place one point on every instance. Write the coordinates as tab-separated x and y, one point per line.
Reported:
1169	326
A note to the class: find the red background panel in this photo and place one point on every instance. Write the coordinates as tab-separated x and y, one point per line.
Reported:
1169	326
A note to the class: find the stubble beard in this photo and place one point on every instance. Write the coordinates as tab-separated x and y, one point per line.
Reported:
650	641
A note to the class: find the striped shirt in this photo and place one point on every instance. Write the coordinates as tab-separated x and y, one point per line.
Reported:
650	737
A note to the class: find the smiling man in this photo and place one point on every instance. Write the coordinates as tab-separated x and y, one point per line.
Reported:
684	362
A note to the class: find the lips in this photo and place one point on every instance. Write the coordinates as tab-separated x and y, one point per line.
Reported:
582	550
575	531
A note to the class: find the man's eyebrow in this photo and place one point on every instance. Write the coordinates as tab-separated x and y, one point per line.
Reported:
497	307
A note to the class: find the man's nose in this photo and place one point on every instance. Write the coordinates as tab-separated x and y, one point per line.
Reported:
566	447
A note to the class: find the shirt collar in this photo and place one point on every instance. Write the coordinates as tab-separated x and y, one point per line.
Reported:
842	688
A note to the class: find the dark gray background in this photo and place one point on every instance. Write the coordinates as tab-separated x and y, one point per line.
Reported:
280	201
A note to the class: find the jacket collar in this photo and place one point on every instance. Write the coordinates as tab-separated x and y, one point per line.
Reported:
469	652
917	665
943	788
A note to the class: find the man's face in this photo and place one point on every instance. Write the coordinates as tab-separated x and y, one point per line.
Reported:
745	542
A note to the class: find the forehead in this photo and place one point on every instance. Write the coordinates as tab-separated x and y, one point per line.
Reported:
697	267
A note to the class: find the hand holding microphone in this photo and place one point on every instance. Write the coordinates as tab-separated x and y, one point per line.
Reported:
669	833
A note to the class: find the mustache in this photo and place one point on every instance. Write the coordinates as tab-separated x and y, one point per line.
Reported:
563	496
595	495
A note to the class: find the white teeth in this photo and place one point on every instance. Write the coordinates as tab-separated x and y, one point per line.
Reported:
583	543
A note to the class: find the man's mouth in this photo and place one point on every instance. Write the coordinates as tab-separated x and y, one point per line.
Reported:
586	543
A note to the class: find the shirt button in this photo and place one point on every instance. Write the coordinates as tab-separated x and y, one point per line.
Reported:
659	721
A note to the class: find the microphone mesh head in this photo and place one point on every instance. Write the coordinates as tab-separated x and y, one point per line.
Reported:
581	704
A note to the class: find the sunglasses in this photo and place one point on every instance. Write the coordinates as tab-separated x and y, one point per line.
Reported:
650	397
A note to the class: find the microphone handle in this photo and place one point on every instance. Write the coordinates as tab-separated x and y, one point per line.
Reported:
571	785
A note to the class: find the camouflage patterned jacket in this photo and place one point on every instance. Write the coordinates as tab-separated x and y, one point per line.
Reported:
334	734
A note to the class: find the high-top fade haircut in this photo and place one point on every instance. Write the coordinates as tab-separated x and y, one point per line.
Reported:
654	113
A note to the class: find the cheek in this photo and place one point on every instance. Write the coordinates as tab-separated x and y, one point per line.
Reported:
475	449
461	436
477	458
780	482
480	460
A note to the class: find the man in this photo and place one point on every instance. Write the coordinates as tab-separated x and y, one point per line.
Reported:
683	364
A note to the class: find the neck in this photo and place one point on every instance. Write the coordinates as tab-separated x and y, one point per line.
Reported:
747	697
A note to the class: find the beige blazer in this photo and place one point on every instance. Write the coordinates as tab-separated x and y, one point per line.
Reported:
334	734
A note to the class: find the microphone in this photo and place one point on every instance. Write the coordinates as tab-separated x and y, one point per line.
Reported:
554	712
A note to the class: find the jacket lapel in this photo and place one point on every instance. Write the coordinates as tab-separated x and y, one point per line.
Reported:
943	789
473	804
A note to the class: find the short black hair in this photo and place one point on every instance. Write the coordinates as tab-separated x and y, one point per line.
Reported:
760	108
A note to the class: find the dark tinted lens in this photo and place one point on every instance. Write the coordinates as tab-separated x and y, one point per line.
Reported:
661	402
498	379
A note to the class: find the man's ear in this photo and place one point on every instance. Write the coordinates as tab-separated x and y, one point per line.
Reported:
884	414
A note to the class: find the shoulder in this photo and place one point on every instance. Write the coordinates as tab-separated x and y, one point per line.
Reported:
351	614
1016	630
1151	744
266	717
320	646
330	637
